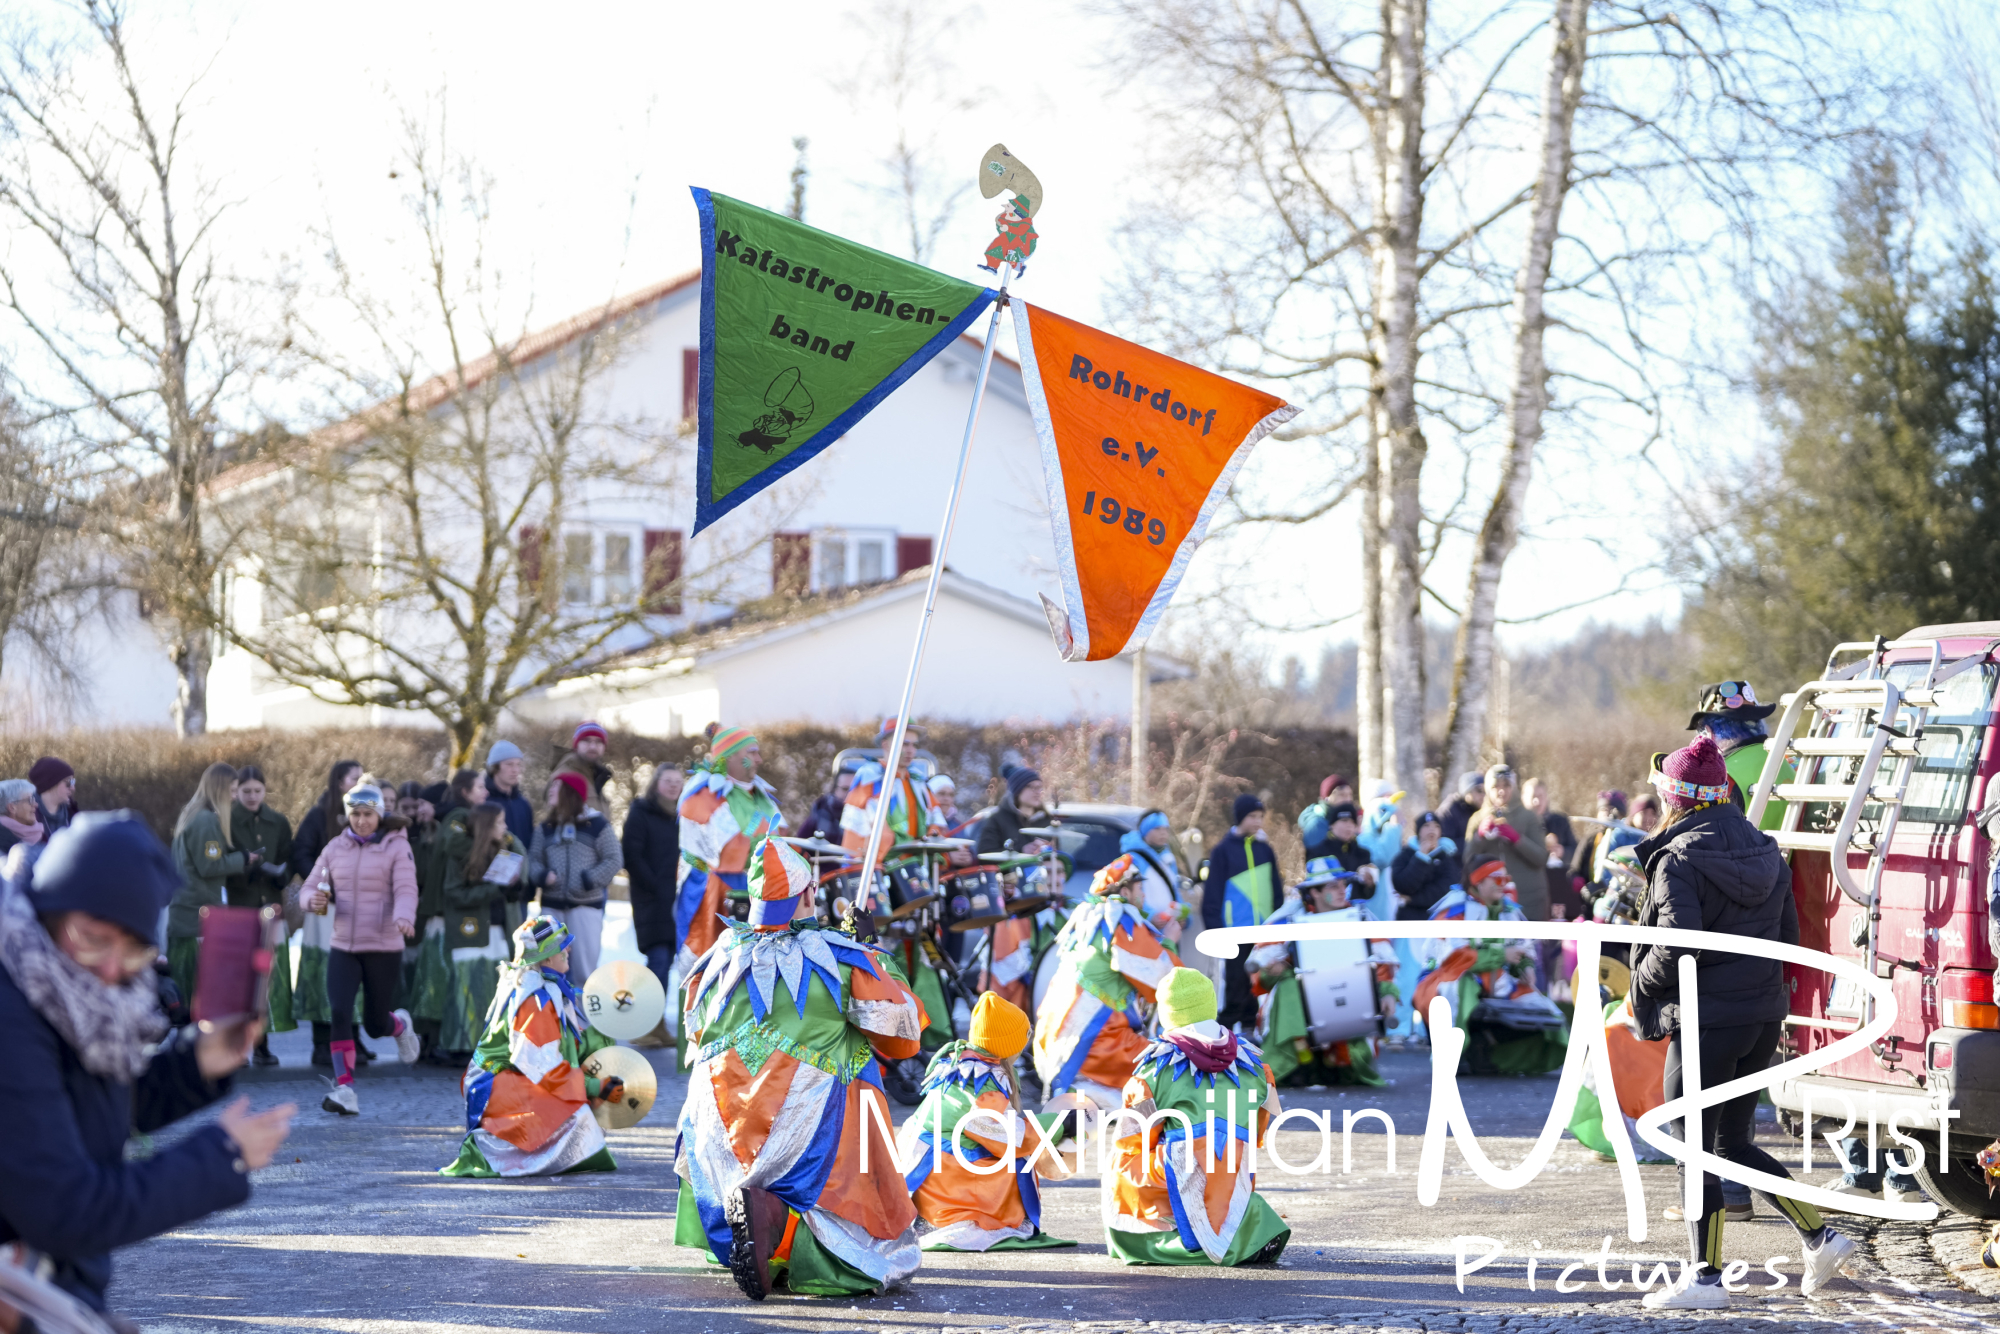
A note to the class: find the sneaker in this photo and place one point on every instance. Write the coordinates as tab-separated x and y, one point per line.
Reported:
1739	1213
342	1101
1673	1214
1689	1295
757	1221
408	1045
1824	1261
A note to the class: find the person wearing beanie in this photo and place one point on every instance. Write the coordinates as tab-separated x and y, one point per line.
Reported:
1729	715
1151	844
911	817
1191	1200
527	1099
1020	807
1241	888
1458	812
1089	1025
587	746
308	944
1507	830
769	1164
366	879
1707	869
18	824
90	1062
572	860
1314	820
1274	978
972	1107
726	810
55	792
504	764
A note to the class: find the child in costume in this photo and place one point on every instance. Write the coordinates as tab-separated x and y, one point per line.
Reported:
785	1102
1175	1195
725	809
1273	968
985	1210
527	1100
1511	1028
1088	1029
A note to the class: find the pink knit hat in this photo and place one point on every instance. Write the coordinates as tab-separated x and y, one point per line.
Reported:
1694	775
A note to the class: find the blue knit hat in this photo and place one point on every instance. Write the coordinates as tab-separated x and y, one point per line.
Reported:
111	865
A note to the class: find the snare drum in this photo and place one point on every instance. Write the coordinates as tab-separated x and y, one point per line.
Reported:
974	900
1337	982
908	886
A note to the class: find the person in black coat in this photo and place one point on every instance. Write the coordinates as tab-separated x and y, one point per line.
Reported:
1425	870
79	1017
651	841
1709	870
1242	848
1020	808
1458	812
823	820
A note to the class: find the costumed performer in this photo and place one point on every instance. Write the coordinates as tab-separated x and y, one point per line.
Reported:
971	1083
1175	1197
1089	1027
725	809
912	817
785	1102
1511	1028
527	1100
1287	1040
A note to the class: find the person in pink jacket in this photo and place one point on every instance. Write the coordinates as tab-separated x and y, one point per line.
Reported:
367	876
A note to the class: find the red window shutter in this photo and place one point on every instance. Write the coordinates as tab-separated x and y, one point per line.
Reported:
531	556
664	548
912	553
791	564
690	383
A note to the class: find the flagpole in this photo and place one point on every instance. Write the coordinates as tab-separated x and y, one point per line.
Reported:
871	855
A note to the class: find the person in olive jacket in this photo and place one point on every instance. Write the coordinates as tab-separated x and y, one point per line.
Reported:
652	844
206	858
259	828
476	925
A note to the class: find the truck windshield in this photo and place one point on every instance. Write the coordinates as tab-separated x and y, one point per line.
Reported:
1948	756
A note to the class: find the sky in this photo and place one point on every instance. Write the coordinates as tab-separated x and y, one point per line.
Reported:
593	123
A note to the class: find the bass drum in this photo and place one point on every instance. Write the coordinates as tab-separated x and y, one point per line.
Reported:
1337	981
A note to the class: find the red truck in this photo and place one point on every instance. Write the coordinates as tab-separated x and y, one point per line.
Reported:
1894	754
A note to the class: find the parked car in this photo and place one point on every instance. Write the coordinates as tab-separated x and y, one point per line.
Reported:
1896	754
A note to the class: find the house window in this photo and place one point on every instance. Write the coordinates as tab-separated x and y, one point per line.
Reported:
847	557
600	567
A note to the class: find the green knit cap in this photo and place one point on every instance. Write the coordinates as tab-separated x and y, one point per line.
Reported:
1186	997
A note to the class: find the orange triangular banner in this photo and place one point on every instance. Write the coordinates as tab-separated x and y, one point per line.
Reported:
1137	450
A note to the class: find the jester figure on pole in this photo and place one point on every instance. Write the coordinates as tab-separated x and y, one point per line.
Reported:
785	1157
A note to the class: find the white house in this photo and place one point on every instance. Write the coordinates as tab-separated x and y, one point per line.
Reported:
863	515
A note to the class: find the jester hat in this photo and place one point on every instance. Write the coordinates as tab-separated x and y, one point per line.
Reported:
778	877
1119	872
540	939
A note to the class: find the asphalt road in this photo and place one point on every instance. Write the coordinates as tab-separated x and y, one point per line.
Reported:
353	1231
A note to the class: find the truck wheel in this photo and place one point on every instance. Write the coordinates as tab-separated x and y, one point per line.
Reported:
1961	1188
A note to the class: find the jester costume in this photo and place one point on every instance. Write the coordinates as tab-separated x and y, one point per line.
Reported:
721	820
1175	1195
527	1100
1511	1028
1287	1042
786	1159
912	816
970	1109
1088	1029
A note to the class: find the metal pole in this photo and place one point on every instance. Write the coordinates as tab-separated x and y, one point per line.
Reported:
872	853
1139	727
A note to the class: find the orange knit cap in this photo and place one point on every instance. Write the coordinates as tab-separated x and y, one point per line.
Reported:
999	1027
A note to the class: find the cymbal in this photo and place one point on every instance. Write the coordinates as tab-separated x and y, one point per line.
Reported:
1039	833
1010	860
624	1000
979	923
933	845
1027	905
641	1086
816	845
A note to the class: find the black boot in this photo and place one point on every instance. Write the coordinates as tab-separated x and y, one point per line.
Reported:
757	1221
263	1056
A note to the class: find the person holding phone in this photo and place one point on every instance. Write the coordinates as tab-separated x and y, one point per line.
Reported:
206	858
367	879
90	1060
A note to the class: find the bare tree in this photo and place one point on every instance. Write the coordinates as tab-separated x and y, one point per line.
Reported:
140	363
434	551
49	581
911	75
